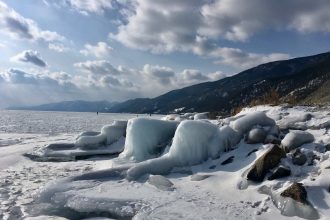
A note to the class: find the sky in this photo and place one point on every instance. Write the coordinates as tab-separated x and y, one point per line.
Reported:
61	50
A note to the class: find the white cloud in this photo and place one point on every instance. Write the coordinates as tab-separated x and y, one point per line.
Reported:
193	75
60	48
97	67
83	6
238	58
19	87
19	27
161	74
195	25
100	50
29	56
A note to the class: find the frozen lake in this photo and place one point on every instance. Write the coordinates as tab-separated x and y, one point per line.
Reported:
52	123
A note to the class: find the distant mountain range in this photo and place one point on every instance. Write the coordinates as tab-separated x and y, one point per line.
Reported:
71	106
304	80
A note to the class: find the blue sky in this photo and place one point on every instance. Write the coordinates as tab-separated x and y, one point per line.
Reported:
56	50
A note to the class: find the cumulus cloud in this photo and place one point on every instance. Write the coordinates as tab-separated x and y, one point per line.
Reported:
83	6
238	58
29	56
193	75
19	27
196	26
100	50
58	47
94	80
97	67
239	19
20	87
163	75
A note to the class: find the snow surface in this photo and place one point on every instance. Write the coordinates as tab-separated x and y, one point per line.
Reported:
202	187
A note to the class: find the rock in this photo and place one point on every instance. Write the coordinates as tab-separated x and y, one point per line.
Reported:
280	172
228	160
299	158
256	135
271	139
296	192
161	182
199	177
263	164
295	139
274	131
327	147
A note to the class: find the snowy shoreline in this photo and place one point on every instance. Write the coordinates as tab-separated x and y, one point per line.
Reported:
204	161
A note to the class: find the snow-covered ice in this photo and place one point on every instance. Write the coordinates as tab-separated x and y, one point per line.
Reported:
170	169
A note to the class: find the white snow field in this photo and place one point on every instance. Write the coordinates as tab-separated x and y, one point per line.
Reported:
174	168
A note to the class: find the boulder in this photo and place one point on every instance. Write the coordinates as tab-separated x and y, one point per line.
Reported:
296	192
256	135
280	172
299	158
271	139
263	164
295	139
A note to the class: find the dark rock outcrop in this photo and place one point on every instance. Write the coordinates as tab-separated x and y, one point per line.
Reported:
264	163
299	158
296	192
280	172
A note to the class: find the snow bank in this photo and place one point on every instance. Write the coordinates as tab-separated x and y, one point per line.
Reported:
295	139
245	123
109	134
147	138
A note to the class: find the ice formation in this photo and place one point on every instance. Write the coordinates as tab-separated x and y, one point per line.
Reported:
195	142
290	207
109	134
147	138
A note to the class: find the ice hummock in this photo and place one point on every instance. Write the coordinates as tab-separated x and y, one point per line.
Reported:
147	138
